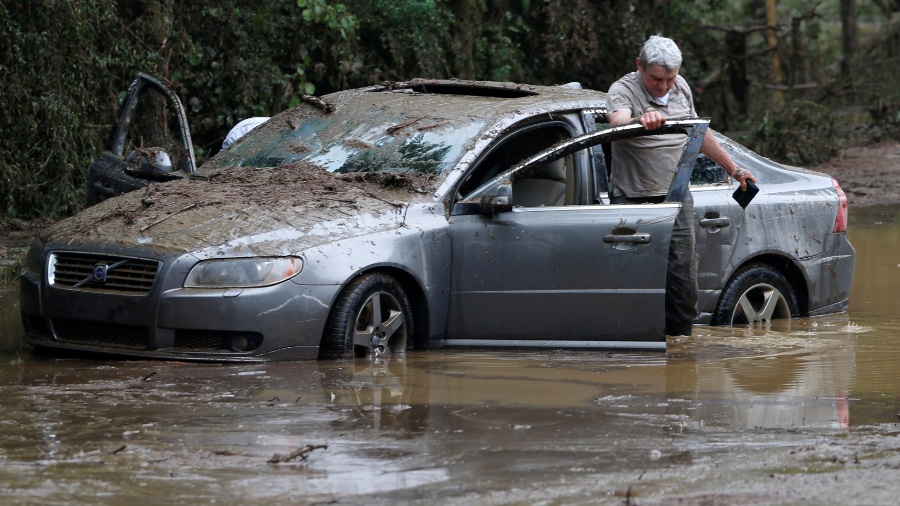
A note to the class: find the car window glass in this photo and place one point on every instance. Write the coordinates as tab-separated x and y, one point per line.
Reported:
707	172
340	143
487	183
510	151
551	184
603	153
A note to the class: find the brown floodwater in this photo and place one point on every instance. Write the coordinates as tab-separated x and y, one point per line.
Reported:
718	412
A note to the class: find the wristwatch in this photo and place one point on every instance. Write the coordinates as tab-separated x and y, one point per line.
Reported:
739	174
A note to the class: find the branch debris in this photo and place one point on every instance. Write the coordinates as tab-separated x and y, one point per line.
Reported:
302	454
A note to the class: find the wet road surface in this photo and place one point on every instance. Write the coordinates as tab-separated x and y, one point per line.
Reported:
805	411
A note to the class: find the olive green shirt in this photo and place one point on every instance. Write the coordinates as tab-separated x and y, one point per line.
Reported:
645	166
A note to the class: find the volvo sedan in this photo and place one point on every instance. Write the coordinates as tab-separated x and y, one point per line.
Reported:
420	214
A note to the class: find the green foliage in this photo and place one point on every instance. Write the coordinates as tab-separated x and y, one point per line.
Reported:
256	59
394	48
802	133
334	17
55	103
64	64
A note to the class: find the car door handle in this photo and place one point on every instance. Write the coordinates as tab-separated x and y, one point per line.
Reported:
641	238
715	222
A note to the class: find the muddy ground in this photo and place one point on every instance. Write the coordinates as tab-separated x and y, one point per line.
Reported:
869	175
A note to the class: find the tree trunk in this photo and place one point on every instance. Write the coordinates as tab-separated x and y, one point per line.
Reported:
468	32
848	38
772	40
151	21
737	69
798	62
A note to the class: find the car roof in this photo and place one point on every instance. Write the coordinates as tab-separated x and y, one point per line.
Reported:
456	98
426	126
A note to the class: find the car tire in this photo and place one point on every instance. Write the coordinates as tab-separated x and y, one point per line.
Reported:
757	293
375	306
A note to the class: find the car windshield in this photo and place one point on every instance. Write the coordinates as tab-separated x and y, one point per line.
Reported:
382	139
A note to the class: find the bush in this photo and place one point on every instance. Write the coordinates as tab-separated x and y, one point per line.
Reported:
64	63
55	103
802	133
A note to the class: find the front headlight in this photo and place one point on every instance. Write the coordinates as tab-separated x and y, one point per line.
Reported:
242	272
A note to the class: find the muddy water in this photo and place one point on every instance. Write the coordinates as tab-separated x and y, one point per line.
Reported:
806	410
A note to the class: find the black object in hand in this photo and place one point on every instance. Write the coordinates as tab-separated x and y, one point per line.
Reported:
743	197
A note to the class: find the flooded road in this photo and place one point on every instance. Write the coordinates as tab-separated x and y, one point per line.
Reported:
806	411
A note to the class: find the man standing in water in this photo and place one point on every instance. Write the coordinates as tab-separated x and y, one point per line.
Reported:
642	168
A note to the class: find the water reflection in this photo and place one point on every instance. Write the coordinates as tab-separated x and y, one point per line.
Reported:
794	375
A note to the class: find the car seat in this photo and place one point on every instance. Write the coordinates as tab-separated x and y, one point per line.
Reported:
545	186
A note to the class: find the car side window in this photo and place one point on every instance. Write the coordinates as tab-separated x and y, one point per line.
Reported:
545	182
707	172
551	184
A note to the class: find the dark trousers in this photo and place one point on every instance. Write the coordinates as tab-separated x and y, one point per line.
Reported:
681	279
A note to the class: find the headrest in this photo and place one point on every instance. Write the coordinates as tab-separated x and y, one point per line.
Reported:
555	170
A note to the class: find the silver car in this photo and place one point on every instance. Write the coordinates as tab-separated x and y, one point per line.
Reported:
416	215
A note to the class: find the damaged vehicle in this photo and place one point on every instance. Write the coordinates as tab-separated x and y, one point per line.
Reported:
428	213
153	128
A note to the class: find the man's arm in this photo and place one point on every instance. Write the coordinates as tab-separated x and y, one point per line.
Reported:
711	148
619	118
649	120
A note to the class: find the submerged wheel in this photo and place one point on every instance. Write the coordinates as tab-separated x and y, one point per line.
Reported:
757	293
372	316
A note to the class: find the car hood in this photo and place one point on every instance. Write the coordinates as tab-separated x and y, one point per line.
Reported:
247	211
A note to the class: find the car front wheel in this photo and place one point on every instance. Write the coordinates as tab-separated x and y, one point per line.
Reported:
756	294
372	316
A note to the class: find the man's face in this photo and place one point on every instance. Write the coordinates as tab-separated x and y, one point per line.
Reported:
656	79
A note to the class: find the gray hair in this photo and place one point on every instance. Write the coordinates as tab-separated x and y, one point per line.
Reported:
659	50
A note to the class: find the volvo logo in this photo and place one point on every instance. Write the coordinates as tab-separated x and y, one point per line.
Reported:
98	275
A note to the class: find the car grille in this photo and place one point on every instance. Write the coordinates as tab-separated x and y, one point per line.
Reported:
198	340
101	334
124	275
215	340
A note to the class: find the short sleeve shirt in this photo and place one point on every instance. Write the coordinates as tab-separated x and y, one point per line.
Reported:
644	167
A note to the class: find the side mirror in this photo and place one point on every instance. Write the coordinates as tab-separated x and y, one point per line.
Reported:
499	201
492	199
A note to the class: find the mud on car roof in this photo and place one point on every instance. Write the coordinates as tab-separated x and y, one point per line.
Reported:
455	87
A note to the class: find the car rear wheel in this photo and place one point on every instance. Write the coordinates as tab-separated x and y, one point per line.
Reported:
756	294
372	316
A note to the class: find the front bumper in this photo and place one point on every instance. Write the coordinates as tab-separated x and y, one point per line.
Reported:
252	324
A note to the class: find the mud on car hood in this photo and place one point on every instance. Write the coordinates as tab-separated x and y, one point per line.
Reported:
248	211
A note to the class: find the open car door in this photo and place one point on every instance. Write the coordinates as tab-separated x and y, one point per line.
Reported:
551	275
150	142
